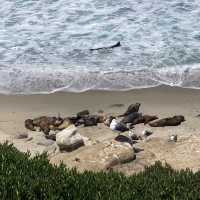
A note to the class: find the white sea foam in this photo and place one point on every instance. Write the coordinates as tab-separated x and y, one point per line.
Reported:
44	45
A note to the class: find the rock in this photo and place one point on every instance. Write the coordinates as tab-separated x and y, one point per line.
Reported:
68	139
41	140
51	137
170	121
113	124
117	105
82	113
133	136
22	136
102	156
147	133
173	138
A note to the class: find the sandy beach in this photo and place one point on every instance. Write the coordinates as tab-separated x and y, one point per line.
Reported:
160	101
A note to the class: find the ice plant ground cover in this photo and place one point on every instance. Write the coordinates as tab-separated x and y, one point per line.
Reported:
22	177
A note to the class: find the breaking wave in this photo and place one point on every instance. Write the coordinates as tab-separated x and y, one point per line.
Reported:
48	80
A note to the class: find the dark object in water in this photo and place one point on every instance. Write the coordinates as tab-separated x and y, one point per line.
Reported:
145	119
82	113
123	138
51	137
118	44
170	121
131	117
121	127
131	109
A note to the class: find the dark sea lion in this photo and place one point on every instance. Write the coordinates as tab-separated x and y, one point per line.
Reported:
131	109
131	117
123	138
170	121
118	44
144	119
121	127
29	124
91	120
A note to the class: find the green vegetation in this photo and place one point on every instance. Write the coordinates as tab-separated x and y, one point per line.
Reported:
22	177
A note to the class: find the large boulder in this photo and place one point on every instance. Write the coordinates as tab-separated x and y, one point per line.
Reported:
69	139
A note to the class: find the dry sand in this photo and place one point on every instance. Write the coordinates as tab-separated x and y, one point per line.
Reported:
161	101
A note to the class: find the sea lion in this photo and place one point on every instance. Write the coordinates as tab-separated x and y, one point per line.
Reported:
131	109
66	122
118	44
123	138
108	119
144	119
29	124
121	127
91	120
170	121
131	117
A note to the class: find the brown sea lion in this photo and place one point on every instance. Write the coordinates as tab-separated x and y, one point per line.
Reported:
144	119
29	124
131	117
131	109
108	119
66	122
170	121
123	138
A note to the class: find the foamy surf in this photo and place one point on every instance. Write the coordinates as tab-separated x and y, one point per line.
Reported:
45	45
43	80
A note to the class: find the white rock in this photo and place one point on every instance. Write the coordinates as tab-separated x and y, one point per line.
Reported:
68	139
113	124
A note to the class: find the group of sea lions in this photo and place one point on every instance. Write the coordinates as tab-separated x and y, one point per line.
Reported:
123	122
45	123
132	116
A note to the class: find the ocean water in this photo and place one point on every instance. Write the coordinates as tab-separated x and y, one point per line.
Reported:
44	45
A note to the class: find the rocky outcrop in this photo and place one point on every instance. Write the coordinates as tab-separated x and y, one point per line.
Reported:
102	156
69	139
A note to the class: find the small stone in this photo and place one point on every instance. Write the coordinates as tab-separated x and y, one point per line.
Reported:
22	136
173	138
147	133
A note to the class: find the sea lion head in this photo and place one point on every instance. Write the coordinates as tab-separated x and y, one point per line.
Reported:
29	124
180	118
